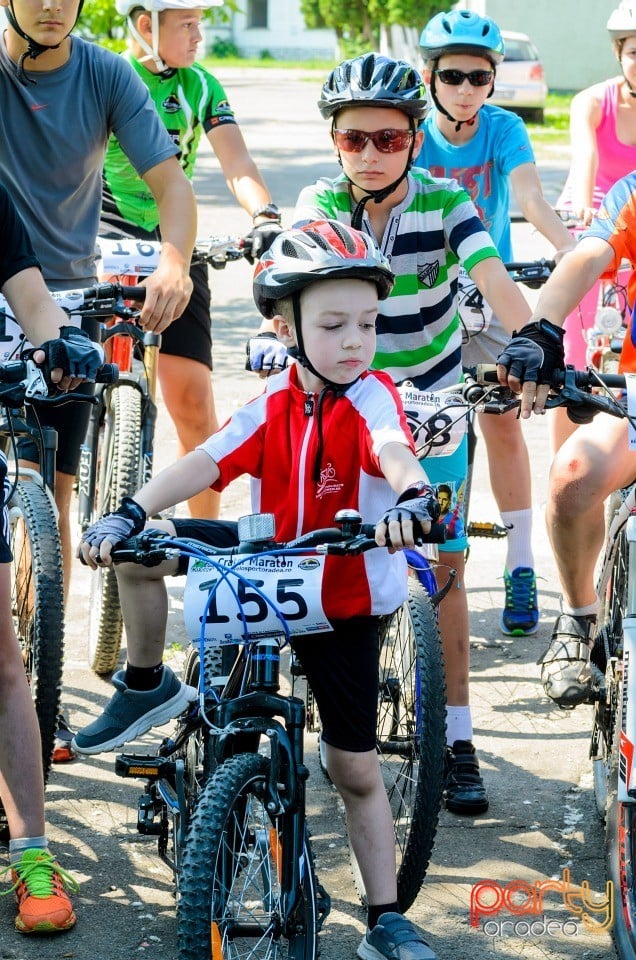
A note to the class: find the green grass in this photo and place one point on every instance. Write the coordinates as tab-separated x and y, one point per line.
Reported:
213	63
555	130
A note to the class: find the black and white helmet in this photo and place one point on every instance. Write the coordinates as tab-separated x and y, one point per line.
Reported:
315	251
376	81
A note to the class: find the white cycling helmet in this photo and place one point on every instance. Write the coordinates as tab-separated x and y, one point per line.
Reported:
622	21
154	8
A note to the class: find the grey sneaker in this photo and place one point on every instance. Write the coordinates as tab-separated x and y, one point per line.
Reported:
131	713
565	666
394	938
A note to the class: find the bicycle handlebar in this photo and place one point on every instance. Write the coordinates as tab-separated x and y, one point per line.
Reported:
153	547
23	380
534	273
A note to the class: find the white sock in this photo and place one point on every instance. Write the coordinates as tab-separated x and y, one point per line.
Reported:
519	526
459	724
591	609
20	844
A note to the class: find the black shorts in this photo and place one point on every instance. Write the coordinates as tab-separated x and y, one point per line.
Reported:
70	420
341	667
191	335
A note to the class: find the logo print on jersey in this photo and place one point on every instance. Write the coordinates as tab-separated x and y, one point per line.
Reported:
171	104
328	482
428	274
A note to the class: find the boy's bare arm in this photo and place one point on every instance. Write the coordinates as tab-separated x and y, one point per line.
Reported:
528	193
501	293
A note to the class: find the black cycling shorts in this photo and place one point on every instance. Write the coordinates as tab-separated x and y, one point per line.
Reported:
341	667
70	420
191	335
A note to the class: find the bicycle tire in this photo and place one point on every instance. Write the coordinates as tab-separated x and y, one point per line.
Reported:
620	859
411	739
195	752
37	603
612	591
119	474
231	822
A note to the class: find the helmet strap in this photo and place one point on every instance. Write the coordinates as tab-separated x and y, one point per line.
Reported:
33	50
298	352
378	196
152	52
442	110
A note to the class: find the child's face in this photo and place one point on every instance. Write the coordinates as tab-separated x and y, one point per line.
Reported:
371	169
338	325
179	37
47	21
463	101
628	59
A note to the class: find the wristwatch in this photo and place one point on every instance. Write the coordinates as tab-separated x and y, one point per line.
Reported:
268	210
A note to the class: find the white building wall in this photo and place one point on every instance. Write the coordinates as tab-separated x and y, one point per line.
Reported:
286	35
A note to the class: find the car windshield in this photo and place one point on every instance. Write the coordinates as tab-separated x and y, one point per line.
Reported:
520	50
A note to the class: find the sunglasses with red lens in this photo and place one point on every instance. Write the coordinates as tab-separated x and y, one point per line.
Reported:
386	141
476	78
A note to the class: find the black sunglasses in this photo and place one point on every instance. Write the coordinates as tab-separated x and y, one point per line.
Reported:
476	78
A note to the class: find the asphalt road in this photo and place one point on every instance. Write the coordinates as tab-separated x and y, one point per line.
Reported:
542	818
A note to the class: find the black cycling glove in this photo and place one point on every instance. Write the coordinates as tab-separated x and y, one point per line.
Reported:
417	503
534	353
261	238
75	353
126	521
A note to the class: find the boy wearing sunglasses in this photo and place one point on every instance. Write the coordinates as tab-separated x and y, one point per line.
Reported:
427	228
487	150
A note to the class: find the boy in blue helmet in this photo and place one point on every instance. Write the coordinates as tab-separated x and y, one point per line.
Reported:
427	227
487	150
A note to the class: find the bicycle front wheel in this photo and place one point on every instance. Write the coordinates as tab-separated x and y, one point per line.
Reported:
119	476
411	736
620	856
37	602
231	902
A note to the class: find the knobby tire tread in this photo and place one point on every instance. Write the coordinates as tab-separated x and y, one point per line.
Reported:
119	477
38	607
237	778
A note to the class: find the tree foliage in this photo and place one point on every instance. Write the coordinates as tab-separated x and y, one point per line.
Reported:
357	23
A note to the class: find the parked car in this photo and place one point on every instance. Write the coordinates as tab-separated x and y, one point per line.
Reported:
520	83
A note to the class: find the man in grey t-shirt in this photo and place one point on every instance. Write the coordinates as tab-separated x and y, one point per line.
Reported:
61	99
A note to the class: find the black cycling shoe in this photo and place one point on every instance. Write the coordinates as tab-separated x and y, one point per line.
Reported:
565	666
464	790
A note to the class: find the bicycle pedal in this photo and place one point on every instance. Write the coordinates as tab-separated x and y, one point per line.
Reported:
488	530
145	767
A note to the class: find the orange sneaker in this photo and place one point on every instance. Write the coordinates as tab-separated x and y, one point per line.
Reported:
40	886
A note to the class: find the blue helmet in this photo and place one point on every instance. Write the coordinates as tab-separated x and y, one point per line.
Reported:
462	31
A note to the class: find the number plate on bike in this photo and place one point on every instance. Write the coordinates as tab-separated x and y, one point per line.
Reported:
124	256
245	605
12	339
437	420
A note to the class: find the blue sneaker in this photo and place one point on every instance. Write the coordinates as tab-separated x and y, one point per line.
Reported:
131	713
394	938
520	616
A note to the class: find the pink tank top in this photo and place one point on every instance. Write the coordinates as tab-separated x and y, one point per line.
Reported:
615	159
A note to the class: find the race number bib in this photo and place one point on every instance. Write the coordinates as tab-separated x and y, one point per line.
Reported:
437	420
474	313
127	256
292	584
12	338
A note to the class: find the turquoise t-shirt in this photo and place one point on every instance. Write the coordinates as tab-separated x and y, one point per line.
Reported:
482	166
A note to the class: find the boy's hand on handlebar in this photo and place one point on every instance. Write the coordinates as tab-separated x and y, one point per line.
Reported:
416	508
70	359
528	363
98	541
260	239
266	354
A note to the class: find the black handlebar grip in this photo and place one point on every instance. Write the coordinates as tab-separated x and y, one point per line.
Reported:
108	373
13	371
